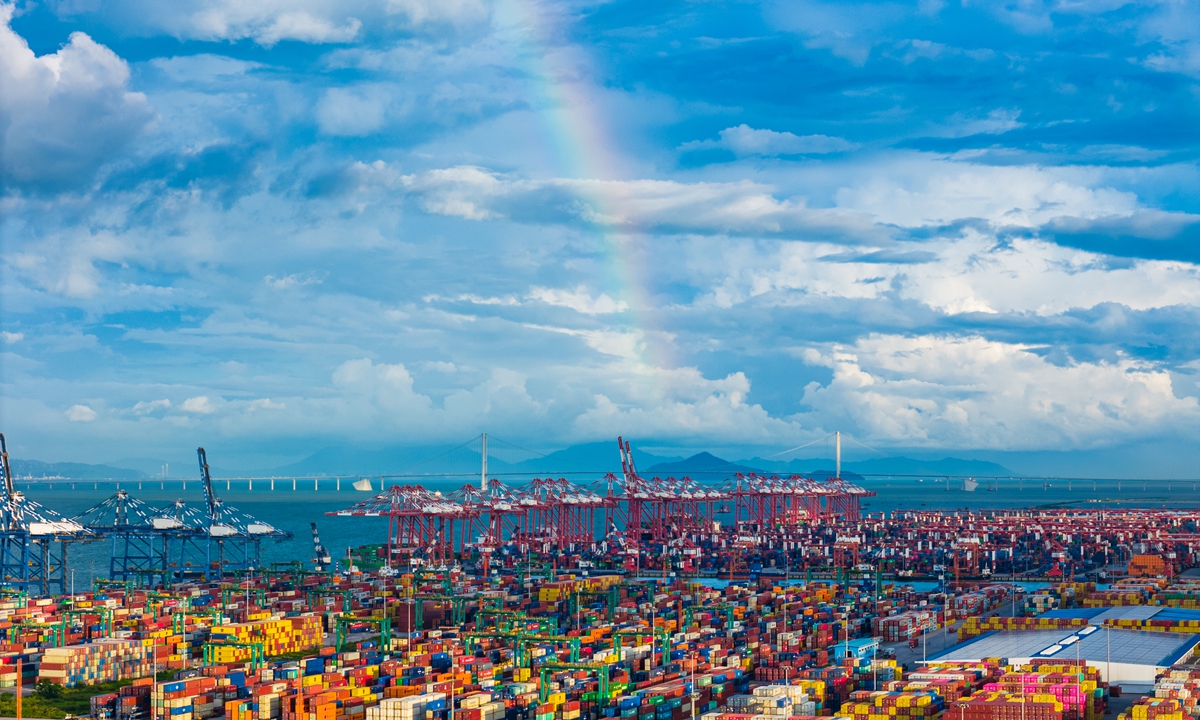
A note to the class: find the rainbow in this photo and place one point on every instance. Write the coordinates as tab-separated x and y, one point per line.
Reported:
583	150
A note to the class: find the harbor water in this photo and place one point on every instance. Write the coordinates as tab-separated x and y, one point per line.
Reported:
292	510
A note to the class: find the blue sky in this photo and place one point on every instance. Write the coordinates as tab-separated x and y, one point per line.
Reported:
941	227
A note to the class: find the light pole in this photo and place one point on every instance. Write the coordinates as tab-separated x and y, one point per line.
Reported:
1108	640
1022	681
693	693
184	626
874	667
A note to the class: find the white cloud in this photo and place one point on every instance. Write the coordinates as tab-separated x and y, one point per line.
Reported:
910	190
204	68
506	300
378	401
744	140
455	12
268	22
681	403
145	407
264	404
64	115
924	49
916	191
11	337
293	280
64	262
355	111
996	122
1172	28
80	413
847	30
199	405
630	345
620	396
970	272
381	398
578	300
972	392
634	205
439	366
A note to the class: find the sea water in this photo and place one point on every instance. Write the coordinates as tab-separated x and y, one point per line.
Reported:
292	510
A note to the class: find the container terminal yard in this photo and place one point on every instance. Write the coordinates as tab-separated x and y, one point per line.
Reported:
549	601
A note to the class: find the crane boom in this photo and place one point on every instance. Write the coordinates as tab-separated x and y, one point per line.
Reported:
321	557
10	489
209	496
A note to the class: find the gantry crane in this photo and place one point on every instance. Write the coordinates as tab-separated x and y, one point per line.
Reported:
33	542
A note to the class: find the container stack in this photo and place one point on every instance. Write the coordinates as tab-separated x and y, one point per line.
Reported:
1076	686
406	708
1154	709
1116	598
28	664
974	627
876	705
277	637
1182	684
866	671
131	702
1149	566
192	699
103	660
775	699
907	625
1006	706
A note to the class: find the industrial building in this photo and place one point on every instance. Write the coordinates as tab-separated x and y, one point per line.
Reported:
1123	656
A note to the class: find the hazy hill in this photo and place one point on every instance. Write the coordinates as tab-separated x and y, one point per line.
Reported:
583	461
886	466
599	457
79	471
705	466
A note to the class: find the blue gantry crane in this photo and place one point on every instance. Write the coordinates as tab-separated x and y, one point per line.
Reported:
33	539
179	542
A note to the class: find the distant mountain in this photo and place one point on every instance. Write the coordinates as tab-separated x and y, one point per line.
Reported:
503	459
588	459
887	466
153	467
76	471
349	460
702	464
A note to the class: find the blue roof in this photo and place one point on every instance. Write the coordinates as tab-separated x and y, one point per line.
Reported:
1085	613
1133	647
1176	614
1183	651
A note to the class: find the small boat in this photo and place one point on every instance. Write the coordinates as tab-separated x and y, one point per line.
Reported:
363	484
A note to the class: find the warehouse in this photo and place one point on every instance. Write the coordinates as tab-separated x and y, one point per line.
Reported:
1129	657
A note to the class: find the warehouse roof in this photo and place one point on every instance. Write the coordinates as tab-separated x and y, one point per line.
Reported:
1129	612
1133	647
